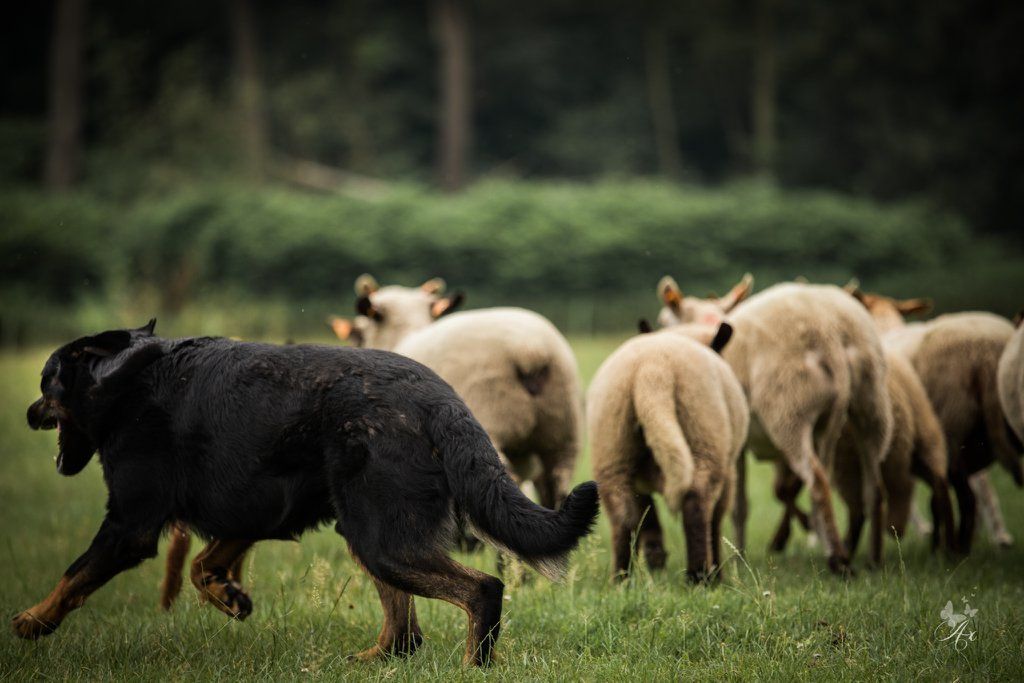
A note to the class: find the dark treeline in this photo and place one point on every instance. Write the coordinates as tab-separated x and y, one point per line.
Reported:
892	100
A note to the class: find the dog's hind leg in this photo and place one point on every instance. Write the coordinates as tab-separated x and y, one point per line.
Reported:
441	578
114	549
400	635
212	576
178	545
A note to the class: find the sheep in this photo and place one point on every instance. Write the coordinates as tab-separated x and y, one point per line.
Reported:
666	415
809	361
918	448
957	357
1011	380
511	366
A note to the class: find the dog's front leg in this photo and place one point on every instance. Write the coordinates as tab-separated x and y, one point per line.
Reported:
114	549
217	575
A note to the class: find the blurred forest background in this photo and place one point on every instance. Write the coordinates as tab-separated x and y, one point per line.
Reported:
231	166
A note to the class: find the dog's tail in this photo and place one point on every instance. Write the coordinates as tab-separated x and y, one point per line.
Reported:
177	550
499	512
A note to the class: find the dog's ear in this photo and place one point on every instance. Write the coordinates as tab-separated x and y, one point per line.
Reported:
446	305
106	344
643	325
722	337
115	379
147	329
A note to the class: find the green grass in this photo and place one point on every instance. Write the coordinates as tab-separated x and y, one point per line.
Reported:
781	617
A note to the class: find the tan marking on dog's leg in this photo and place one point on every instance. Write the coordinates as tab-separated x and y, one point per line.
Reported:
210	574
179	543
400	634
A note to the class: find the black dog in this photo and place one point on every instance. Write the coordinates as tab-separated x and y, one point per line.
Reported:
250	441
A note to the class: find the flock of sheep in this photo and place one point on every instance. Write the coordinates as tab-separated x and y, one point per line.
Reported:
828	383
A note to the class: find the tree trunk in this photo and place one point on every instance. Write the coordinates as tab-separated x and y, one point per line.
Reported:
764	87
249	92
63	154
455	132
659	96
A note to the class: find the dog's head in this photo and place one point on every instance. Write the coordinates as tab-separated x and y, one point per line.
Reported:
77	378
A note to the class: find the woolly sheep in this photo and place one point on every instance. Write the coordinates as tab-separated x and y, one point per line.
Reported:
1011	380
513	368
809	361
918	448
666	415
957	357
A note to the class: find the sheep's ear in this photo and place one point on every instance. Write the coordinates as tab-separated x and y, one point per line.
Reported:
1019	318
147	329
446	305
801	280
341	326
434	285
912	306
722	337
644	326
852	287
669	292
365	307
107	344
738	293
366	285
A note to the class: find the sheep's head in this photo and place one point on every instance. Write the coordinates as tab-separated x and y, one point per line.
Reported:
689	309
386	315
888	313
715	336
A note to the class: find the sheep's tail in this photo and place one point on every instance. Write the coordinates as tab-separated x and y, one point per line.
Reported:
177	550
499	512
654	399
835	371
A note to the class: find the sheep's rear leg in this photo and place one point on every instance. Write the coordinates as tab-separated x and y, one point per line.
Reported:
740	508
968	508
787	487
651	541
989	509
624	513
697	528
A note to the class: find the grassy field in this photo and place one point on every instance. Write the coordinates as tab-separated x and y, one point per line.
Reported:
781	617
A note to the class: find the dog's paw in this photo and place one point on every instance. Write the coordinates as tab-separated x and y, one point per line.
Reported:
228	597
26	625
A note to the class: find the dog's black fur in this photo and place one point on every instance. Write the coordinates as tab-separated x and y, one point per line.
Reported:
252	441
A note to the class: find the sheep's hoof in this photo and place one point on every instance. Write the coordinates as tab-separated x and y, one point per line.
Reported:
655	555
840	566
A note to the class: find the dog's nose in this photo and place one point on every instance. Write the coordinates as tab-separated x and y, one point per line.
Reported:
35	414
41	415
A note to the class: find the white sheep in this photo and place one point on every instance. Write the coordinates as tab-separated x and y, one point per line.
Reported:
511	366
1011	380
666	415
957	357
809	361
917	449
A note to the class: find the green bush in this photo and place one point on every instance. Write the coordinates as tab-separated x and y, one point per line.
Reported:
586	254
